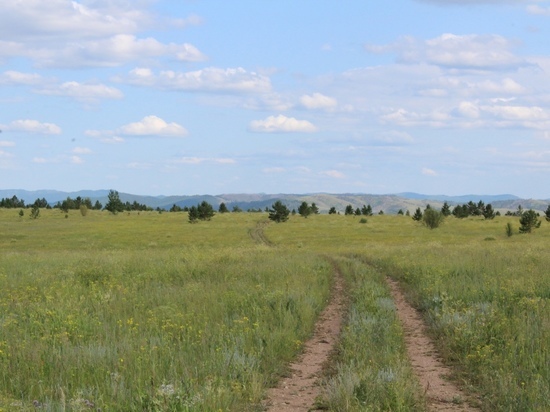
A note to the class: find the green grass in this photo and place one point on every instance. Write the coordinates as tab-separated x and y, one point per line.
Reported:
148	312
195	317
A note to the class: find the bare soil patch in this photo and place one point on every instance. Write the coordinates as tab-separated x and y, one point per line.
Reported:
441	393
298	391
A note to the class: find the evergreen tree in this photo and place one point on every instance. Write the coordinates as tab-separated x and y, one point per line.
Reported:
400	212
114	205
417	215
357	212
193	214
223	208
547	213
489	212
446	209
314	209
366	210
349	210
528	221
332	210
304	209
279	212
205	210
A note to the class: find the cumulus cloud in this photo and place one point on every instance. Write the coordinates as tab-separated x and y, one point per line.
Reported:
148	126
428	172
31	126
40	20
110	52
318	101
471	51
152	126
210	79
281	124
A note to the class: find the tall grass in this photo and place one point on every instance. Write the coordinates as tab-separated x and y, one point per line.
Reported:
484	295
147	312
201	324
372	371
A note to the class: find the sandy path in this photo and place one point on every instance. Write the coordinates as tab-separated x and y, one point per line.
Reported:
297	392
440	392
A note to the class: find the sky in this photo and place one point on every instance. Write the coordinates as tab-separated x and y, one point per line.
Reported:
215	97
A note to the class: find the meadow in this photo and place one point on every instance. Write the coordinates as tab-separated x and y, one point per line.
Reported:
144	311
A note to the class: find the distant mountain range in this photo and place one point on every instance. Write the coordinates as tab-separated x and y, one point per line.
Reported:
390	203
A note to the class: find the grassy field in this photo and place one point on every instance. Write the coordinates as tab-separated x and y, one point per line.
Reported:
148	312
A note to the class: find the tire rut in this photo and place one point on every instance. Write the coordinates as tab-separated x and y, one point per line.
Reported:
440	392
298	392
257	233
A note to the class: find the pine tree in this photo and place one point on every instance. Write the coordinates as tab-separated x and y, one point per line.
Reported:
547	213
446	210
304	209
528	221
417	215
279	212
489	212
223	208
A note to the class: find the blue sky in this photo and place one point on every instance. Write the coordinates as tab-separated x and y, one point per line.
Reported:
211	97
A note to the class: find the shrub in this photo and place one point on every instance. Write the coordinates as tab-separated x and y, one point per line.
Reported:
432	218
509	230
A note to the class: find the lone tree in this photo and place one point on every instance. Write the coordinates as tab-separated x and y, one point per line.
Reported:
223	208
332	211
349	210
528	221
547	213
279	212
305	210
205	210
114	205
432	218
417	215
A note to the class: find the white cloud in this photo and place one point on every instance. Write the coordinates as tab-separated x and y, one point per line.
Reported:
31	126
211	79
5	143
15	77
318	101
39	20
428	172
472	51
271	170
199	160
148	126
111	52
82	150
76	160
5	154
82	92
538	10
281	124
152	126
334	174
